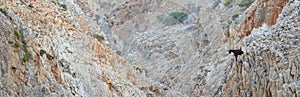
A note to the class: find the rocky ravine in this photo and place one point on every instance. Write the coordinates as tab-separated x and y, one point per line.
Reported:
55	48
192	57
270	65
48	49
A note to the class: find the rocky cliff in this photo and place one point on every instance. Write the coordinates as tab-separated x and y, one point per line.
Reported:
263	11
132	48
269	67
48	49
191	57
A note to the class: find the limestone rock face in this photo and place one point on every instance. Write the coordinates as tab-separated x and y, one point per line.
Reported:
262	11
269	66
192	58
48	49
131	48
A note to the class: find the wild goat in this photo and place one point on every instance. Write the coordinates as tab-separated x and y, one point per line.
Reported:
236	53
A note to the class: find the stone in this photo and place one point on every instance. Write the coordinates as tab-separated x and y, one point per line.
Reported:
141	56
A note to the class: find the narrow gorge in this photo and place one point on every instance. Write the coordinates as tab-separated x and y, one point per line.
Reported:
149	48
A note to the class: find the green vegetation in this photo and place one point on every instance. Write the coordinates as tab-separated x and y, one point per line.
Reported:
138	69
11	42
245	3
17	44
241	69
63	6
26	57
42	52
53	2
205	41
229	23
227	2
234	16
291	1
23	41
17	33
3	11
180	16
99	37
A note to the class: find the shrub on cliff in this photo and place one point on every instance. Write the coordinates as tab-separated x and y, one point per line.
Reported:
180	16
99	37
245	3
227	2
234	16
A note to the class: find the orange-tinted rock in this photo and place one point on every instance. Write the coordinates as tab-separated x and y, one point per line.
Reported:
265	11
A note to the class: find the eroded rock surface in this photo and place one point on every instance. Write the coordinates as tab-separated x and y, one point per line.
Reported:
263	11
270	65
48	49
58	48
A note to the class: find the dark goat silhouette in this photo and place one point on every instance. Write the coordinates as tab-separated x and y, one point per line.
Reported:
236	53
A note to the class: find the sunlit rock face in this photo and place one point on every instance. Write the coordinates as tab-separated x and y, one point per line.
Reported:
262	12
269	65
48	48
136	48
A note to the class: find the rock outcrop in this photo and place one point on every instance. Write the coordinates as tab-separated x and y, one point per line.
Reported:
48	49
130	9
263	11
120	48
270	66
190	58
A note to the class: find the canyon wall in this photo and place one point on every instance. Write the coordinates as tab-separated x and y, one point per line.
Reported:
119	48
